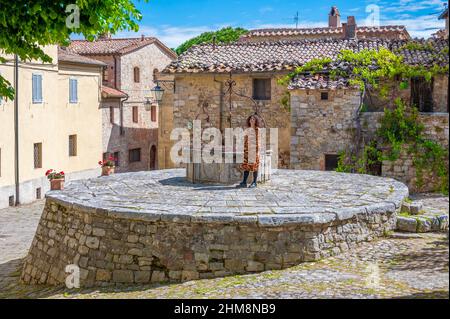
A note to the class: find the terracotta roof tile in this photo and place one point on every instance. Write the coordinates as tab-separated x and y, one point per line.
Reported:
66	56
286	55
363	31
115	46
317	81
108	92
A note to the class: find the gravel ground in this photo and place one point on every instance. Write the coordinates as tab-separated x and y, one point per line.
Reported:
401	266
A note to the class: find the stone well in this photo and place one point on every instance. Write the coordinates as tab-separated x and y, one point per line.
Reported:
157	226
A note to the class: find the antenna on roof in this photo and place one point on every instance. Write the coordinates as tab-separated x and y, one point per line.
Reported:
296	19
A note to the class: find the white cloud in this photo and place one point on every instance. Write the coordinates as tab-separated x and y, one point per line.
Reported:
169	35
265	10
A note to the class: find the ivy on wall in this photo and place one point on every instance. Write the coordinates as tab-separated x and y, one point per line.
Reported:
400	128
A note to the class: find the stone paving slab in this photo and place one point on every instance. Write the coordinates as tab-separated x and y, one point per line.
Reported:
292	196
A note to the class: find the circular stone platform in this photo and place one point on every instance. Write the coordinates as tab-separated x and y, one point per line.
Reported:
155	226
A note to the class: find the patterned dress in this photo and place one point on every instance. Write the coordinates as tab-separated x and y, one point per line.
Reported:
246	166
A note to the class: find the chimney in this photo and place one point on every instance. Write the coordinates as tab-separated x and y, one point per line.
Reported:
142	37
334	18
350	28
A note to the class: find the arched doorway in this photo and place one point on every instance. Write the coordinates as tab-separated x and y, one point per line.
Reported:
153	158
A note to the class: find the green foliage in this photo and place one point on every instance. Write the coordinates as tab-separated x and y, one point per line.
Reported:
371	67
399	130
27	25
285	101
225	35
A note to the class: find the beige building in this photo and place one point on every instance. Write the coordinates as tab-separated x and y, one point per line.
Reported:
59	124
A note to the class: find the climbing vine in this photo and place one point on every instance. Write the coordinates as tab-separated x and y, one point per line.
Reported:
400	130
400	127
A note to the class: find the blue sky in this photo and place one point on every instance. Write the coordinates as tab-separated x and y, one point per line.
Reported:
174	21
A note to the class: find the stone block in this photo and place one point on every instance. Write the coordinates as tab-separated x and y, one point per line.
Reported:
103	275
123	276
158	276
142	277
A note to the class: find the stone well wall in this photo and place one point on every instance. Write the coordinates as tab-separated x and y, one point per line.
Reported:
120	247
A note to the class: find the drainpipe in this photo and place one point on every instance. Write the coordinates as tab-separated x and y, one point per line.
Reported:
16	128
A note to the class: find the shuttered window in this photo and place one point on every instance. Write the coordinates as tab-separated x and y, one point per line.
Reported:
37	88
261	89
73	90
153	113
135	114
136	75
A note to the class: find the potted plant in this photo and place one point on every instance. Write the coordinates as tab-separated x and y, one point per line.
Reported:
108	166
56	179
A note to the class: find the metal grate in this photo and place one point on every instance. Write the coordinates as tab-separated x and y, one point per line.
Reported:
72	145
11	200
38	193
37	153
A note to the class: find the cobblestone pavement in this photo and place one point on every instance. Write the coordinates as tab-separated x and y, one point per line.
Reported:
412	266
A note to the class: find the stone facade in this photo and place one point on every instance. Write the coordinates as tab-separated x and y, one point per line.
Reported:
114	248
436	129
193	92
124	131
321	127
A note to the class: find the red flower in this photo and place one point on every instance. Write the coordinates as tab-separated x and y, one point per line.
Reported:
62	173
48	172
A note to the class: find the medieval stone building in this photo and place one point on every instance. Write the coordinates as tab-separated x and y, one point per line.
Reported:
315	115
130	123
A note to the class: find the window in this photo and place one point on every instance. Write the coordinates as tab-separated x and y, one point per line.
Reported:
73	90
111	115
116	157
37	88
11	200
105	74
324	96
105	156
153	113
135	114
261	89
38	193
136	74
134	155
72	145
422	94
37	153
331	162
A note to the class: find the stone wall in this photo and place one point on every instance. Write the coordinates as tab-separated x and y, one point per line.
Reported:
436	129
195	91
115	247
320	127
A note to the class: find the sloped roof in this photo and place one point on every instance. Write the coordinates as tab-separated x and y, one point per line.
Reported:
317	81
247	57
444	14
115	46
362	31
108	92
66	56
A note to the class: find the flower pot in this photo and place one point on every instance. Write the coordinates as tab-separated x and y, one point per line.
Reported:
107	170
57	184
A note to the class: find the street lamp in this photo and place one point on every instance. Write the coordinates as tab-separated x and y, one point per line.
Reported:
158	93
148	104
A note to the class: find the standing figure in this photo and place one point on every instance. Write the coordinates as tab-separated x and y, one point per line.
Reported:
252	144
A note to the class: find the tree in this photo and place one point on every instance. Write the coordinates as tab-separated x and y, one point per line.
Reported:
225	35
27	25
